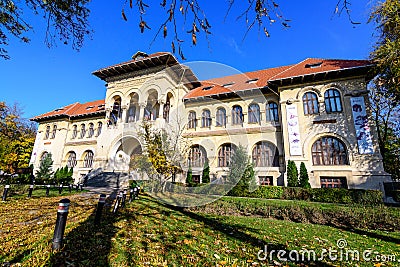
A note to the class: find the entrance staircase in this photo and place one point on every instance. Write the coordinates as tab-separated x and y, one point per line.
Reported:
111	180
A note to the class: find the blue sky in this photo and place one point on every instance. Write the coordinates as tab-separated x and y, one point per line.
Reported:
42	79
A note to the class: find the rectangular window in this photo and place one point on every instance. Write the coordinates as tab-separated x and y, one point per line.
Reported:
333	182
196	179
265	180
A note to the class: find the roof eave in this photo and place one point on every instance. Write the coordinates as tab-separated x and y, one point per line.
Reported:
323	75
130	66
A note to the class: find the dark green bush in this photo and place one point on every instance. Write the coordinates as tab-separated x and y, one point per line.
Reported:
267	192
328	195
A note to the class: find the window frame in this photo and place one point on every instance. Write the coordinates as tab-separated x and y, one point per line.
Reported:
254	113
197	156
333	182
88	159
272	113
310	103
54	132
332	97
265	154
99	128
71	161
220	118
225	153
237	115
82	131
47	132
206	118
91	130
74	131
265	180
192	121
329	151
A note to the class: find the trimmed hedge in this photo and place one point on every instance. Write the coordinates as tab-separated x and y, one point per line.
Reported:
328	195
341	216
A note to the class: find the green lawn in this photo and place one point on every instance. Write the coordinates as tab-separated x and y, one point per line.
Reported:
147	233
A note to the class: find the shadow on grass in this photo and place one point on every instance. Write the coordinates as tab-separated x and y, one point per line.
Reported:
233	231
88	244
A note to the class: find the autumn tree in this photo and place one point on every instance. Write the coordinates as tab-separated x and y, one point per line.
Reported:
163	152
385	108
386	16
17	137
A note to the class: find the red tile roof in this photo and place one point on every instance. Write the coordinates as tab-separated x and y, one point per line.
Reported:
317	65
74	110
218	86
241	82
238	82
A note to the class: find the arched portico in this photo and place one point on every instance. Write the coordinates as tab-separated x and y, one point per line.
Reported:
122	151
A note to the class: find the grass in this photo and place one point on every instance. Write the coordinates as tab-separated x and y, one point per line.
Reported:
147	233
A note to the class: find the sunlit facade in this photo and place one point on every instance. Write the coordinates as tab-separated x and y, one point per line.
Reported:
314	112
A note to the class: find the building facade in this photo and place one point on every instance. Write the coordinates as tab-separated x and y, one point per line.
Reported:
315	112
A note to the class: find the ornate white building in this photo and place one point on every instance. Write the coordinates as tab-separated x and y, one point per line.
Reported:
315	112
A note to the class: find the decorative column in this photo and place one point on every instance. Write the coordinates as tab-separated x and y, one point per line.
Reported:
124	111
142	106
161	111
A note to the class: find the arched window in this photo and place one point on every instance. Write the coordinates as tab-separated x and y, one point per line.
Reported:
53	134
91	130
225	155
71	162
329	151
265	154
254	113
152	108
220	117
310	103
332	101
237	115
271	113
116	110
74	131
206	118
192	123
83	131
197	156
47	133
133	109
167	107
99	128
88	159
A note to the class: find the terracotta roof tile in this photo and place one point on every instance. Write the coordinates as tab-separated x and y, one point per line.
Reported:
74	110
240	81
224	85
317	65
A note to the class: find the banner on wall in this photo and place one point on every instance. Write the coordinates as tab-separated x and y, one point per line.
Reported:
363	131
293	130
